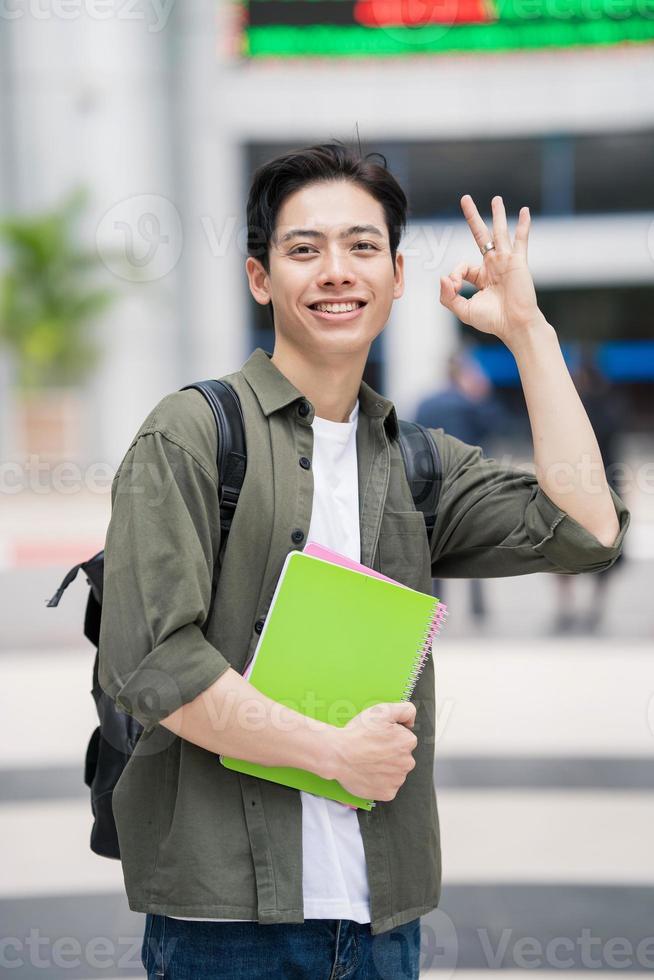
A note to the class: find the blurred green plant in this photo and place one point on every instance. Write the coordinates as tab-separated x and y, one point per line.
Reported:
48	299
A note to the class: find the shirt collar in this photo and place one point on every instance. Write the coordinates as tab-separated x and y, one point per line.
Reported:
274	391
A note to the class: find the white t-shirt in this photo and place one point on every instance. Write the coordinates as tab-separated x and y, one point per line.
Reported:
334	874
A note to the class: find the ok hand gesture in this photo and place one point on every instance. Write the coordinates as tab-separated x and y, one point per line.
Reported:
505	303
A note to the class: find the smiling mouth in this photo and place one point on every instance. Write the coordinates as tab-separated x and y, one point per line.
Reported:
337	309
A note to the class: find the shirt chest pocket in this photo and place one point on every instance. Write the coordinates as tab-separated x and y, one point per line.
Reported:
404	549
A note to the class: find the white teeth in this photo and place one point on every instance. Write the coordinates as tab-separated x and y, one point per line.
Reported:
337	307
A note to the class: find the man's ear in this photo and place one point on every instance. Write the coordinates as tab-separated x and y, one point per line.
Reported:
398	288
258	280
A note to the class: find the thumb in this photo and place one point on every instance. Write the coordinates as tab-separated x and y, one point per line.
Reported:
450	298
403	712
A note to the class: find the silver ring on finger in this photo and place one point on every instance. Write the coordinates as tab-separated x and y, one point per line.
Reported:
487	247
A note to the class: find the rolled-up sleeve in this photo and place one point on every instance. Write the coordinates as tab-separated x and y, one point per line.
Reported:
494	520
161	546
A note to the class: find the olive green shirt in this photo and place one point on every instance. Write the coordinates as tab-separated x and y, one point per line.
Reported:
200	840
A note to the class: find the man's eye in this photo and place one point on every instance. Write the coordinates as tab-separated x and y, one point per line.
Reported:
296	250
367	245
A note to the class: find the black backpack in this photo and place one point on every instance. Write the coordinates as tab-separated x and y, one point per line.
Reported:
115	738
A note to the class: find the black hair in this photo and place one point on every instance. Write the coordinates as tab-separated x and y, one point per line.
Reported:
277	179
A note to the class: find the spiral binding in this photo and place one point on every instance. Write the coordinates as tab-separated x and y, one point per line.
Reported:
439	612
436	621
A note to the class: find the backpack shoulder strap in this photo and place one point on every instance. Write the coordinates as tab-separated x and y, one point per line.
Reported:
231	461
422	462
232	453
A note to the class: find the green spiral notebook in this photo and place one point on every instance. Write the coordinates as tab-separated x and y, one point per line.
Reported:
336	641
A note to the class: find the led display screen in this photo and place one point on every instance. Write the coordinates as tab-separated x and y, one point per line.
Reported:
361	28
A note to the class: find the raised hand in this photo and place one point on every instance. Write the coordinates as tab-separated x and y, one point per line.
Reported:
505	302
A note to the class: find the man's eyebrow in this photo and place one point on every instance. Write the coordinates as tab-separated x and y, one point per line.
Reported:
314	233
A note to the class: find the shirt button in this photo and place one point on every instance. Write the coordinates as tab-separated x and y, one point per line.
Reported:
303	409
297	535
258	626
305	463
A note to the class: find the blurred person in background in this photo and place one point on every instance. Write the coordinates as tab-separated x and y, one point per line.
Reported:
607	411
469	409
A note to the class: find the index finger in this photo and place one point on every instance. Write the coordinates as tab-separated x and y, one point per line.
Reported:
477	226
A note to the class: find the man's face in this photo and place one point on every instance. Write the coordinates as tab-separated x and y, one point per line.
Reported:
330	246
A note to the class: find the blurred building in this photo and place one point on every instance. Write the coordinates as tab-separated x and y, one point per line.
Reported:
166	116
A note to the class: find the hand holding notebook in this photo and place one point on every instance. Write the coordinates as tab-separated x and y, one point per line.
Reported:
335	642
373	752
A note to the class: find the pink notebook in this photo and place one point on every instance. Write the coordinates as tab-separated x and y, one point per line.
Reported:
320	551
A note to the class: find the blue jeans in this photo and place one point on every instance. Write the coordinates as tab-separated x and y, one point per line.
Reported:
316	949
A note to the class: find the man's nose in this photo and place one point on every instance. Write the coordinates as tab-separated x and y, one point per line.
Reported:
336	269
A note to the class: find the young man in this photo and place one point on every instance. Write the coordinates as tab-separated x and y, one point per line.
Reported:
239	876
